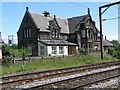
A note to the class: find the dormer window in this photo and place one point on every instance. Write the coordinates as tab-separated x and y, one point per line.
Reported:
55	33
54	28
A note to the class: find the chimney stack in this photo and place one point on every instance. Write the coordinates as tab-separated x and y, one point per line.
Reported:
46	13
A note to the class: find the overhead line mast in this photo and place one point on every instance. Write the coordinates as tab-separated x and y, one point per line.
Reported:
100	21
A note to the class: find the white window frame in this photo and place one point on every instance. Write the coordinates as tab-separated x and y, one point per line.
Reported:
54	50
42	50
61	50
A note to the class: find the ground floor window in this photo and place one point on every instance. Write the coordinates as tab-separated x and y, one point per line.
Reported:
42	50
54	50
30	50
61	50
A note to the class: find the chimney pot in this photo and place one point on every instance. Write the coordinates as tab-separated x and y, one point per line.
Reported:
46	13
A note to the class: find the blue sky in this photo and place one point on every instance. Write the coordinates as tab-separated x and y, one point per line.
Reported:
13	12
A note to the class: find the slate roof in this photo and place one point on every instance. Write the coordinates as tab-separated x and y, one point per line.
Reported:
57	42
107	43
74	21
67	25
42	22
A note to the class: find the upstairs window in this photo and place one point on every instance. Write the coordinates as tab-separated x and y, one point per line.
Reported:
89	34
27	33
55	33
83	34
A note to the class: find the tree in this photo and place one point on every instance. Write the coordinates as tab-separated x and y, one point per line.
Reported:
115	51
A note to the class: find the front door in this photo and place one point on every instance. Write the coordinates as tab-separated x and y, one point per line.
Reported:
71	50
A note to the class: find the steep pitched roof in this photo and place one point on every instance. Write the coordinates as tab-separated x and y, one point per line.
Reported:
74	21
42	22
67	25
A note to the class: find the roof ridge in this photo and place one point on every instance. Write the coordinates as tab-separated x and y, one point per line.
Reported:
77	16
49	16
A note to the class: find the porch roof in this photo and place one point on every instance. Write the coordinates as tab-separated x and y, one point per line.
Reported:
57	42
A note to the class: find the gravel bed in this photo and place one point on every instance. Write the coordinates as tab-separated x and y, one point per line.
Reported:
112	83
42	82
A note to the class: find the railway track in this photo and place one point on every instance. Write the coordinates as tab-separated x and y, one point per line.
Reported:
78	83
24	78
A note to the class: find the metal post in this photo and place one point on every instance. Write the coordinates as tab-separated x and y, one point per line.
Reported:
100	20
101	44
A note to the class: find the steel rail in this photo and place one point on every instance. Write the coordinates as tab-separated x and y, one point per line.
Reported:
58	73
70	79
93	82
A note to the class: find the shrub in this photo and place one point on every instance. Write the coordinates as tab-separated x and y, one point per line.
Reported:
115	51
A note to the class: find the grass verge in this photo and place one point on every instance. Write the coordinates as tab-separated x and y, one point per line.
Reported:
53	63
